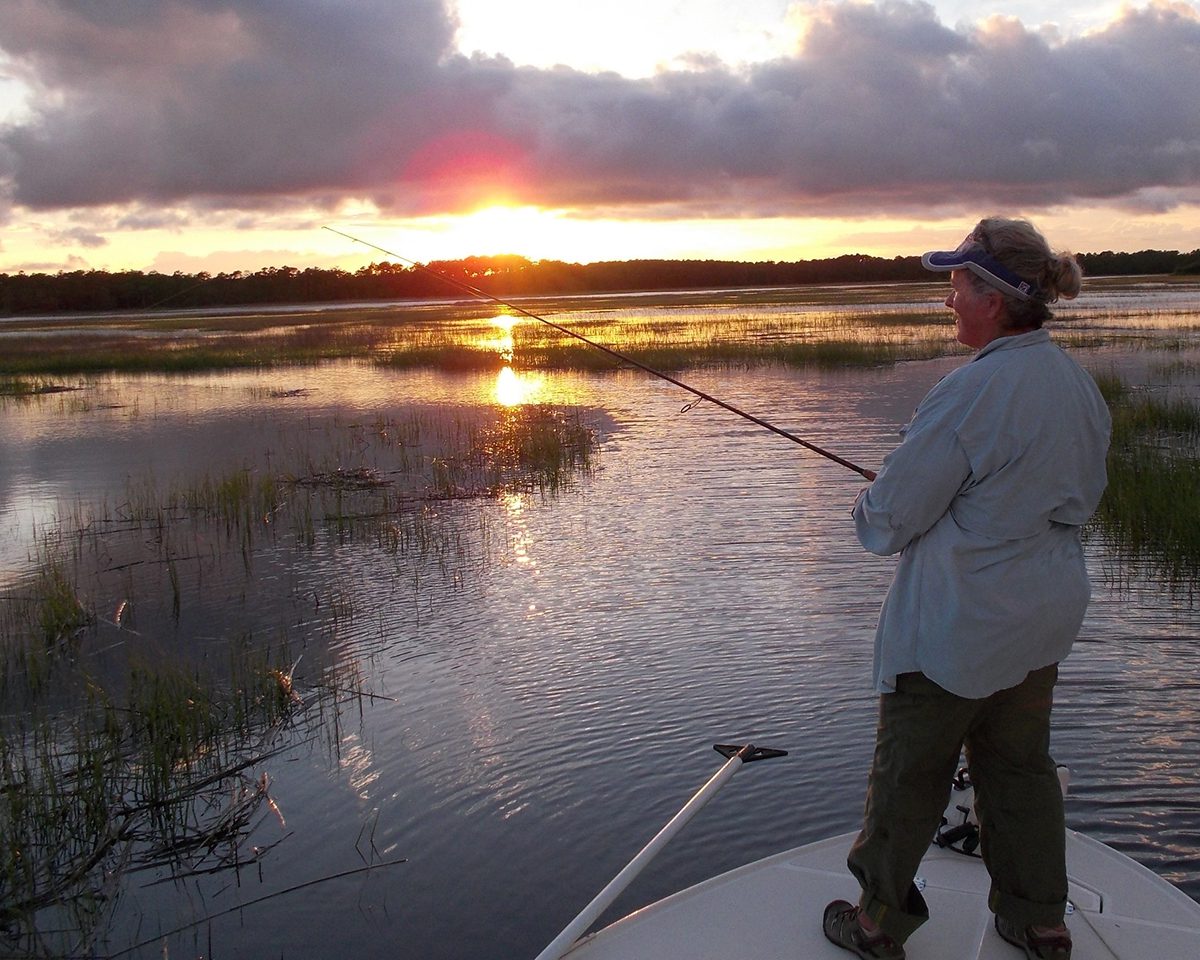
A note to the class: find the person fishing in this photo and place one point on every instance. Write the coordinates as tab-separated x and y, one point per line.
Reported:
1000	467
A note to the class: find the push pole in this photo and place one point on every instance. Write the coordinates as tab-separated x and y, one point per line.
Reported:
736	758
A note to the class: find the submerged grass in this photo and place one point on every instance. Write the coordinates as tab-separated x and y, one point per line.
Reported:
1150	507
29	386
122	752
159	777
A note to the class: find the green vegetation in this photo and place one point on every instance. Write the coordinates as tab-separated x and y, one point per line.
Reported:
675	331
1150	508
160	780
122	753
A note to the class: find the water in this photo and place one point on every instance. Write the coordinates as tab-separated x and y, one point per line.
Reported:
556	685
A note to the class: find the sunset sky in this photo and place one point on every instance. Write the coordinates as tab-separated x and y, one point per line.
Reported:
224	134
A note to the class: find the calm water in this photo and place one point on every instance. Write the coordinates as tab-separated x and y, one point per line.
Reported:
555	682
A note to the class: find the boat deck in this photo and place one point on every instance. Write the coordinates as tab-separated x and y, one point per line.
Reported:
771	910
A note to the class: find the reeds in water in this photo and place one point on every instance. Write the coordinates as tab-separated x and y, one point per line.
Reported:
1150	507
29	386
810	327
121	752
166	776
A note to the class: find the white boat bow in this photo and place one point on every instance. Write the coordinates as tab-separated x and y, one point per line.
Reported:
771	909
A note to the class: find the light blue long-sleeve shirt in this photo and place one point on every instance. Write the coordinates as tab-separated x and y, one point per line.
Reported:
999	468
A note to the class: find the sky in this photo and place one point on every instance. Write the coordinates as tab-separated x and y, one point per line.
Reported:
222	135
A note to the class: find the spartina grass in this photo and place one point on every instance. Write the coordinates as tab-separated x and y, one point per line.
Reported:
1150	507
168	777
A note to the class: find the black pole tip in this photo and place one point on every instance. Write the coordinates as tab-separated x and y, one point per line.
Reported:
748	753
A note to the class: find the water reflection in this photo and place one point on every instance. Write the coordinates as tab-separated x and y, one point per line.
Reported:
357	762
503	344
514	389
523	643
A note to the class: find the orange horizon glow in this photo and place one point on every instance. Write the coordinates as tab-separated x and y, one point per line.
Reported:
217	244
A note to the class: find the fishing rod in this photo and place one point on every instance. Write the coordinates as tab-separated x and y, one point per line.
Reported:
484	295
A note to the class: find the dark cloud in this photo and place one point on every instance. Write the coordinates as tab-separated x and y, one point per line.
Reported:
247	103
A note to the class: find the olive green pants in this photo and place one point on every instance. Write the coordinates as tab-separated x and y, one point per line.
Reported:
922	731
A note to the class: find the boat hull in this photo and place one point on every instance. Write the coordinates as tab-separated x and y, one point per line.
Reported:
771	910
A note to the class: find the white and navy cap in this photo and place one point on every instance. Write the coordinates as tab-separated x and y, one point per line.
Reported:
971	255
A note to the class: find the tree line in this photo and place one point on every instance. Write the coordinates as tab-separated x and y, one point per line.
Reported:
501	276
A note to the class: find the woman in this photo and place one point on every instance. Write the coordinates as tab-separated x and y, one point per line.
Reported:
1000	467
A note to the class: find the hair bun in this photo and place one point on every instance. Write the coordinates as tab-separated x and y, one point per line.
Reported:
1062	277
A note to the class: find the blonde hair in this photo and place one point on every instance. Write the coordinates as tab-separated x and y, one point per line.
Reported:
1018	245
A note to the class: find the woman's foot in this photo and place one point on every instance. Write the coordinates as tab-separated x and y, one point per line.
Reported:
851	929
1039	943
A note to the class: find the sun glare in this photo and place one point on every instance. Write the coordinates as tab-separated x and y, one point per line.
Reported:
502	344
514	389
506	229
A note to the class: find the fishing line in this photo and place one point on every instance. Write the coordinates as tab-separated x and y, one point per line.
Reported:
484	295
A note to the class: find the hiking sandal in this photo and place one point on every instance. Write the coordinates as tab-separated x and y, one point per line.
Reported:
841	927
1048	946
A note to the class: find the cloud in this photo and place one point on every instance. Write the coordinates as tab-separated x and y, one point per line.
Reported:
67	265
77	237
251	104
230	261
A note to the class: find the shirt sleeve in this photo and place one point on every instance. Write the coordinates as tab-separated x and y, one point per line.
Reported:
918	480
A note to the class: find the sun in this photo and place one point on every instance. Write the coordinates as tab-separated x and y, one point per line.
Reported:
502	228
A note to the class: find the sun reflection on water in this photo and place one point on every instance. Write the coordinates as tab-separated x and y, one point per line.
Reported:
503	344
514	389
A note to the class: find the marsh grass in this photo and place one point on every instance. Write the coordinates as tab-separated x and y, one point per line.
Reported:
30	387
125	749
859	324
50	617
119	755
1150	507
164	776
862	326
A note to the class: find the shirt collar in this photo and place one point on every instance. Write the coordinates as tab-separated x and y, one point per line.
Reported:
1041	335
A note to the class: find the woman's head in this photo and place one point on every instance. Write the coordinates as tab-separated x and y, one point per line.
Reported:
1011	259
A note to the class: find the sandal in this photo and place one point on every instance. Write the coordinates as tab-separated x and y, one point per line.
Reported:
1046	946
841	927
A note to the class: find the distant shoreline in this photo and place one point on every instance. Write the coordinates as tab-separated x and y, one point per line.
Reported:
102	292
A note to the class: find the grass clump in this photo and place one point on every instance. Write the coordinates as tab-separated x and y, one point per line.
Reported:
1150	507
29	387
50	618
158	777
539	446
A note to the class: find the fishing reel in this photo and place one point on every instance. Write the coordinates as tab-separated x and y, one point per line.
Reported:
959	830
